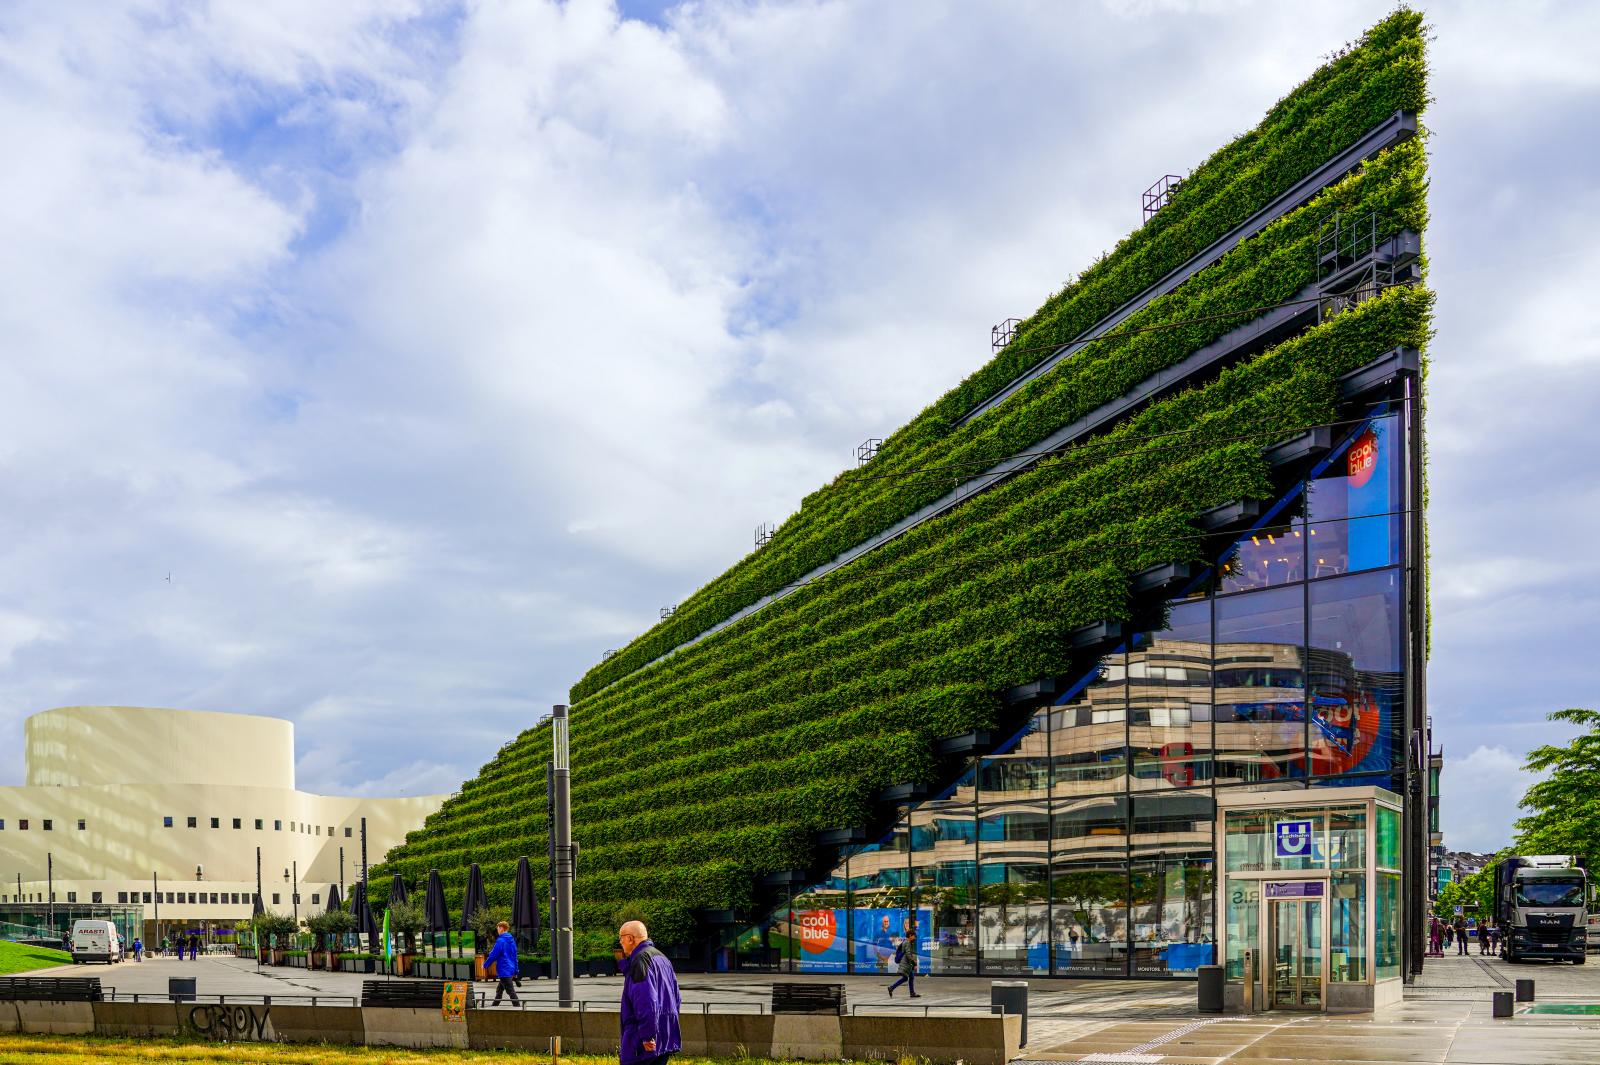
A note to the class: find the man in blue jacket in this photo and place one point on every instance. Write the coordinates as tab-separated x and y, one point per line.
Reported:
503	960
650	1000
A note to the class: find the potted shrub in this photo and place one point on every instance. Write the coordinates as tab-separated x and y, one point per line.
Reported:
485	928
405	921
336	925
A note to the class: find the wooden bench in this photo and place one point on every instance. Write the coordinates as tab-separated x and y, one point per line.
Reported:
50	989
808	998
403	994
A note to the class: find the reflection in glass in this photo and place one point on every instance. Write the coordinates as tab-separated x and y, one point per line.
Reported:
944	873
1089	735
1089	921
1387	925
1173	877
1260	686
1014	888
1357	683
1347	939
1169	701
1022	769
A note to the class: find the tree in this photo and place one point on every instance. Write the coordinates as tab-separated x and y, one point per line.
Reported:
1564	808
406	920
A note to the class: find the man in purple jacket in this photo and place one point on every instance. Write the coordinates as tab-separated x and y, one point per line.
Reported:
650	1000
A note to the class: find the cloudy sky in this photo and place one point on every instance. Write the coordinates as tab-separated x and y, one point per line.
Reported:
431	348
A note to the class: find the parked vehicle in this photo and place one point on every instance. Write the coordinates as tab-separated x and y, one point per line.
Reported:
95	941
1541	905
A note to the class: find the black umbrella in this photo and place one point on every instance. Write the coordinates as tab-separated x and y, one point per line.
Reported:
397	891
525	905
435	915
474	900
334	902
256	909
365	922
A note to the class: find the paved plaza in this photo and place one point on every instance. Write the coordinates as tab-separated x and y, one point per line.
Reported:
1445	1018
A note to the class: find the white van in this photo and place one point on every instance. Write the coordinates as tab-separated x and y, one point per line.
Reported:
95	941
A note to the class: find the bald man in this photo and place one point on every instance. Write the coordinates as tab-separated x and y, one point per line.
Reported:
650	1000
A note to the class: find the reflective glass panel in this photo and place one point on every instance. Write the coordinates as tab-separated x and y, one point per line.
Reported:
1356	678
1348	929
1259	686
1173	876
1089	885
1264	558
1023	769
1169	701
1014	888
1387	925
1089	733
1353	504
944	874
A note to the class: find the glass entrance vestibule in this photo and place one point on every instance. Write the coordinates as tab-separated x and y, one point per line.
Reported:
1311	898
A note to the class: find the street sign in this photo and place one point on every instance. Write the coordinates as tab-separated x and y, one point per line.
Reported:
1294	889
1291	839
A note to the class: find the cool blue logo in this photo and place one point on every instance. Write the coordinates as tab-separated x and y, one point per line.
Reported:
1292	839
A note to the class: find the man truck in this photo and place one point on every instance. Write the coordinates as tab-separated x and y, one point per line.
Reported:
1540	905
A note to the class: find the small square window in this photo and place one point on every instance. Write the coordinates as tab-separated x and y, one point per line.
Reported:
96	896
147	899
330	830
170	899
258	824
2	824
122	898
213	898
193	822
233	897
319	830
275	898
277	826
216	822
82	824
316	898
291	826
347	833
166	822
22	824
237	823
72	896
49	825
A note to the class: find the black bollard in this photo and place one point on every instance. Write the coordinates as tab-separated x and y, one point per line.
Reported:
1524	990
1502	1004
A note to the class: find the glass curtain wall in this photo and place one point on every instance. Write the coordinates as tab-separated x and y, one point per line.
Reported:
1084	847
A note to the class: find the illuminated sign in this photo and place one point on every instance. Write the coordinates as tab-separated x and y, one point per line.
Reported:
1363	458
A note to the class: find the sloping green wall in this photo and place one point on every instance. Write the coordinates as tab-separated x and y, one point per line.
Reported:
698	774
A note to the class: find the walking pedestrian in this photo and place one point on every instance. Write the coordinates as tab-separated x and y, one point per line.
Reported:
194	948
650	1000
138	949
503	956
1461	935
906	957
1485	933
1435	936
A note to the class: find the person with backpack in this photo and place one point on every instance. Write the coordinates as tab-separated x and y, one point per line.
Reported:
650	1000
905	956
503	956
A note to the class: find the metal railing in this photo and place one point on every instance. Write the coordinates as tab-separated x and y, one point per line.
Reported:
111	994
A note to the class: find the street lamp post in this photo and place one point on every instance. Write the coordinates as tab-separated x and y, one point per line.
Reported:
565	854
294	889
256	929
155	893
50	891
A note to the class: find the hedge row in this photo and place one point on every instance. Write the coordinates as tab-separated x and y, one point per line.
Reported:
1323	117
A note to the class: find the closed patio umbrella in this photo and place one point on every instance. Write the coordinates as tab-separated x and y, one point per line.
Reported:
474	899
525	907
435	915
334	902
365	921
397	891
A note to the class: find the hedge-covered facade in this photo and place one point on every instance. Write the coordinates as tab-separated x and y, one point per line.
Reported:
718	778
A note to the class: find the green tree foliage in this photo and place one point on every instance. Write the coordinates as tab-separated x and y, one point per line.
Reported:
1474	894
1564	808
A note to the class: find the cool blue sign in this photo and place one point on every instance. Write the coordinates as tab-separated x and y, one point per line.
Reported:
1291	839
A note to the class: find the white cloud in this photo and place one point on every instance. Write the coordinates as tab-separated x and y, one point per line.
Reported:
1478	798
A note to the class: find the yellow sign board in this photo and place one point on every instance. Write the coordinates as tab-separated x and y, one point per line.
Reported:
454	1006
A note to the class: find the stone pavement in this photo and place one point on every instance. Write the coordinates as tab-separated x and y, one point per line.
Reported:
1445	1017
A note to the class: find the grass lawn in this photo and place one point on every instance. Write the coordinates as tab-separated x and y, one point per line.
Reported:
89	1050
16	958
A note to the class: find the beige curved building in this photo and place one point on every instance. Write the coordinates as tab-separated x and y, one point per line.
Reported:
164	809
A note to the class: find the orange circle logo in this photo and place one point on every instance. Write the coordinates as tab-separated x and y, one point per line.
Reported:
818	930
1363	458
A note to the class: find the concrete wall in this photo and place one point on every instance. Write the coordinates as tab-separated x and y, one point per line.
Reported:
975	1040
75	746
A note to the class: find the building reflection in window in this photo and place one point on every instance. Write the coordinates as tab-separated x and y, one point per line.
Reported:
1089	741
1169	701
1259	686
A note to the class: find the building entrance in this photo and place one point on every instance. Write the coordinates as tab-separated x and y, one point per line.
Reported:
1296	934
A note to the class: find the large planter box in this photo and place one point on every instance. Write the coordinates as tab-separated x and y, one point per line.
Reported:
356	965
477	968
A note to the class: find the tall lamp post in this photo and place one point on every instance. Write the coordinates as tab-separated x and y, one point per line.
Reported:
50	891
255	933
294	890
155	893
565	854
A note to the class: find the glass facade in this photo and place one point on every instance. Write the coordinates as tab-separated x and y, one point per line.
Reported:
1085	846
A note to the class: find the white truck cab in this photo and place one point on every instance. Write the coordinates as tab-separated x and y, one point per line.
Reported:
95	941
